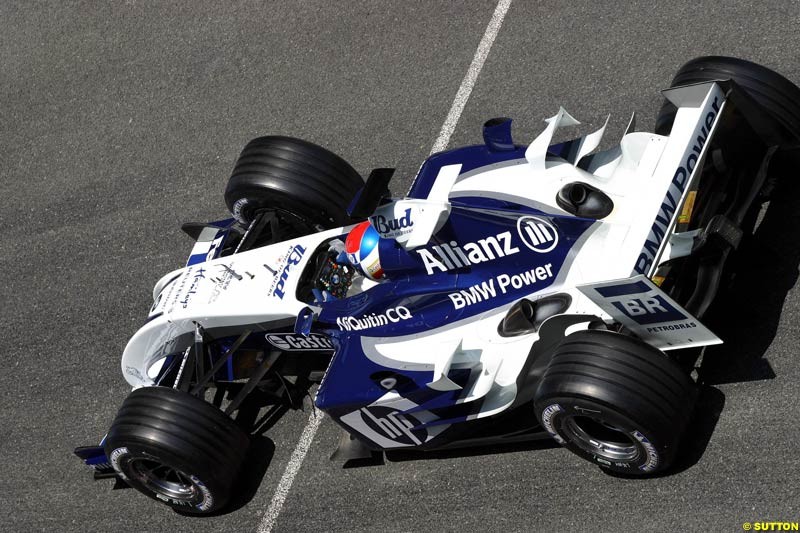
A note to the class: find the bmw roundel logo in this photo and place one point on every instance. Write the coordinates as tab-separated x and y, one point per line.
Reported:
538	234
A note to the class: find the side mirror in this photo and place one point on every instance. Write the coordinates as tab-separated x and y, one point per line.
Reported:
369	197
305	318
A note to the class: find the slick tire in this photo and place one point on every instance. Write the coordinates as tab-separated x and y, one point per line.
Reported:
779	97
296	178
176	449
615	401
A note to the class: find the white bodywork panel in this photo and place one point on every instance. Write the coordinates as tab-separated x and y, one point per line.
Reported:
221	292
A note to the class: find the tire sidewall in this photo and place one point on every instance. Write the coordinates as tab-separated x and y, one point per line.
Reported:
553	413
767	87
207	488
293	175
241	210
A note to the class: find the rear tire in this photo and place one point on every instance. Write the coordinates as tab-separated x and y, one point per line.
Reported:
298	179
616	401
176	449
779	97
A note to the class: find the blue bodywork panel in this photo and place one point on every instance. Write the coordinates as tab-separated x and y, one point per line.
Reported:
482	258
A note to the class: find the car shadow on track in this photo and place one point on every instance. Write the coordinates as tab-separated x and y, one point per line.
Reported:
410	455
399	456
259	456
747	314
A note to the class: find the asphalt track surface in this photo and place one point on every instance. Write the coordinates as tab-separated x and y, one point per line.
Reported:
118	122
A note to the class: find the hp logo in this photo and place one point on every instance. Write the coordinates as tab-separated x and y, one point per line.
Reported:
537	234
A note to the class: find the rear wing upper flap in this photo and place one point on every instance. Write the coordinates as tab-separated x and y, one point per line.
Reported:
768	129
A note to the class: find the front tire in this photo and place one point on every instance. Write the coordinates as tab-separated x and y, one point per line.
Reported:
298	179
615	401
176	448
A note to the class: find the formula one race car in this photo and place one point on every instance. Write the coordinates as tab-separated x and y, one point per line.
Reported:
517	291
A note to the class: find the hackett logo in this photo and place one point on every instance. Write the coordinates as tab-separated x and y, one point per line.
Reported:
392	227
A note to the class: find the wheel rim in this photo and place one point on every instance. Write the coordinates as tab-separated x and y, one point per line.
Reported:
164	479
601	439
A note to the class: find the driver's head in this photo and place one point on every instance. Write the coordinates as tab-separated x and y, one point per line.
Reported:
361	247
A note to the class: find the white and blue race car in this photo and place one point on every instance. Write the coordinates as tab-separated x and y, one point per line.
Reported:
517	291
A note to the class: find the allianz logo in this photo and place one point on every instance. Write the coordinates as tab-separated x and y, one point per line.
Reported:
536	233
539	235
444	257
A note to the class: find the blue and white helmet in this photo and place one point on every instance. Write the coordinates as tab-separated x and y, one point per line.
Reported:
361	248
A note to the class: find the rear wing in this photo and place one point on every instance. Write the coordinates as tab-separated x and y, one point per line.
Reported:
699	108
722	139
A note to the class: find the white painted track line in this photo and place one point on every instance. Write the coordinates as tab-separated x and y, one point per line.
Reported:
472	75
296	460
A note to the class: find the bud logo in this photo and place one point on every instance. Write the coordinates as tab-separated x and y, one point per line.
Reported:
393	227
537	234
289	342
374	320
294	257
444	257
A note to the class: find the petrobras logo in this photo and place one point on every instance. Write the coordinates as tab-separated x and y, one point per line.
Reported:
374	320
391	228
293	258
537	234
290	342
450	256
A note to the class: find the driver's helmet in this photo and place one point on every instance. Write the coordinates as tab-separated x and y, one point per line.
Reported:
361	248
